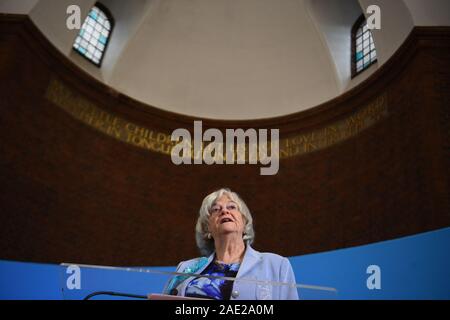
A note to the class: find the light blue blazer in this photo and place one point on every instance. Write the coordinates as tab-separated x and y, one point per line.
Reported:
256	266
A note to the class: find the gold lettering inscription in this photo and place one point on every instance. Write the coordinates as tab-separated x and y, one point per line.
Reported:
337	132
87	112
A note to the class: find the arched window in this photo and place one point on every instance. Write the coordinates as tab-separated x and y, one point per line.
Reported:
94	35
364	53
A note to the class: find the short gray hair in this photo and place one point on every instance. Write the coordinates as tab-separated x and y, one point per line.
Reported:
205	245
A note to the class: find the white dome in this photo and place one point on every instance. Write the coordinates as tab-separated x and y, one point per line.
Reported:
242	59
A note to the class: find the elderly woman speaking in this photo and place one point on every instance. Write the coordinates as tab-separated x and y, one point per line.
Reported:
224	233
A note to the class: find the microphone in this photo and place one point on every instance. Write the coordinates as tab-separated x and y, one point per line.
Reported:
117	294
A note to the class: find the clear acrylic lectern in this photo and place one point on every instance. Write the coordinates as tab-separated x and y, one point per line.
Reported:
83	282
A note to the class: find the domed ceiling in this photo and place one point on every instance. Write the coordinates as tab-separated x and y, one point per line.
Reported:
223	59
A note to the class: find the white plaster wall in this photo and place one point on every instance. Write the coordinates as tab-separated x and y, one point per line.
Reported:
334	21
17	6
128	16
227	59
396	25
51	16
429	12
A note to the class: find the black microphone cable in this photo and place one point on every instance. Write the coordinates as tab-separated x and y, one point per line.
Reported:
116	294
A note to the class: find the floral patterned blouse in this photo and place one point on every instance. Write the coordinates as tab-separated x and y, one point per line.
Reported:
210	288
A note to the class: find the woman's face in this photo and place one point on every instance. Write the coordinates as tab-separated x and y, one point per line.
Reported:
225	218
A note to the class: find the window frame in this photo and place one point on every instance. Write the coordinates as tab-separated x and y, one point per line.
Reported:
359	22
110	18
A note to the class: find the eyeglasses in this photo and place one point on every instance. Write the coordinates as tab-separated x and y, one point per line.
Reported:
215	209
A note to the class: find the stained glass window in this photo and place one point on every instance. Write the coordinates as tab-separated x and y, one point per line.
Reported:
94	35
363	47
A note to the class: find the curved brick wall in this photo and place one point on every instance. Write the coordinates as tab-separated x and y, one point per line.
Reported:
85	174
